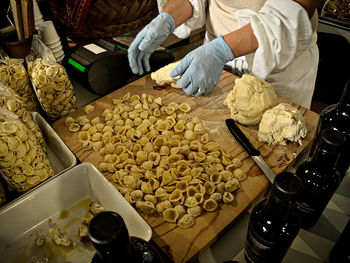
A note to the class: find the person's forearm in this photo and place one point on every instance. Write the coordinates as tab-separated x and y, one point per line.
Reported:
180	10
309	5
242	41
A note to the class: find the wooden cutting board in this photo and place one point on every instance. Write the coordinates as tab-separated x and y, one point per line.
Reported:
184	245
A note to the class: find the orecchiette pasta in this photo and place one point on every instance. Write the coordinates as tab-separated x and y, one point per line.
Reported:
160	158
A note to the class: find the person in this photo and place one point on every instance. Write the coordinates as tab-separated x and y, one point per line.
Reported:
276	39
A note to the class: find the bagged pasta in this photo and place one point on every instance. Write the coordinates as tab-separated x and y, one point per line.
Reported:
53	87
14	75
9	100
23	162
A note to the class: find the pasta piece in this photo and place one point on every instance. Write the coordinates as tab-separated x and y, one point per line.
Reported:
209	187
191	201
181	185
185	107
89	108
161	192
146	207
231	185
162	206
191	191
69	120
175	196
189	135
215	178
226	175
164	150
213	146
86	127
74	127
199	128
210	205
194	211
151	198
84	136
170	215
216	196
228	198
146	188
239	175
186	221
236	162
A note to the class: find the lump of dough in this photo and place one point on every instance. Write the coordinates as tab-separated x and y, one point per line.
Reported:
161	76
249	99
281	124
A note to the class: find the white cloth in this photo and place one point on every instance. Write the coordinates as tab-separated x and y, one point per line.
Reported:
195	22
287	56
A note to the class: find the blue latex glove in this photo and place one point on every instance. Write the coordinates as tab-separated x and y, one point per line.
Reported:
147	40
201	68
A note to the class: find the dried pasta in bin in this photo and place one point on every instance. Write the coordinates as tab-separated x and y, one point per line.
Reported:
14	75
11	101
23	162
53	88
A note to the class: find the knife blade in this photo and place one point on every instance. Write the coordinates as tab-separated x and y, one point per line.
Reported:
253	153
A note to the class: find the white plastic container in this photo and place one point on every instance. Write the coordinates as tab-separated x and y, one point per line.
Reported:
28	217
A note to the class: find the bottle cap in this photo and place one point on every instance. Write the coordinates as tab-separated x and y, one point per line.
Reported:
331	140
108	228
286	186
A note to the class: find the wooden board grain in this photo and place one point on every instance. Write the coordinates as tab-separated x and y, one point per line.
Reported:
184	245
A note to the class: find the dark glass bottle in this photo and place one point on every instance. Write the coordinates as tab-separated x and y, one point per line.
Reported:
341	250
337	117
110	237
273	223
320	177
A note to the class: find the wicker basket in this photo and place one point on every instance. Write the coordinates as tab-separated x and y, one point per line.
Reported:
110	18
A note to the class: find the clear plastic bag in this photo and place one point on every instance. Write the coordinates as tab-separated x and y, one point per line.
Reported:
53	88
14	75
10	100
23	162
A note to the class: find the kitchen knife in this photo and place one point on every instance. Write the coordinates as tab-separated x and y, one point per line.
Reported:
254	153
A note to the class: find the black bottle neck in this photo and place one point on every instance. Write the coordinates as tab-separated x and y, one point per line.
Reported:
345	98
278	209
324	158
110	237
282	196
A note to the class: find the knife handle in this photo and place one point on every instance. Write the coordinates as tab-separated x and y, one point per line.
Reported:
241	138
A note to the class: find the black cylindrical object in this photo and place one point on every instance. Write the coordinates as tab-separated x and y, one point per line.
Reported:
109	235
320	177
273	223
337	117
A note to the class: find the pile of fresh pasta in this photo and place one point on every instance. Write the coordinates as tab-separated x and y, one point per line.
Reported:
159	157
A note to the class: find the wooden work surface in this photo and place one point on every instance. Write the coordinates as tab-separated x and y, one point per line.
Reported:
183	245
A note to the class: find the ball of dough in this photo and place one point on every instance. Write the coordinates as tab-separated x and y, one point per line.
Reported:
161	76
249	99
281	124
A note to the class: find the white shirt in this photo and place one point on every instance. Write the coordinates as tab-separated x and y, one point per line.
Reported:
287	56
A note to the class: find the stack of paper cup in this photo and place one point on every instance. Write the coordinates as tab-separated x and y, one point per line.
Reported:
49	36
38	17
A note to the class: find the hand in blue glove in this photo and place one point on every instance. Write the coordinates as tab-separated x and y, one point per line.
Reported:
147	40
201	68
